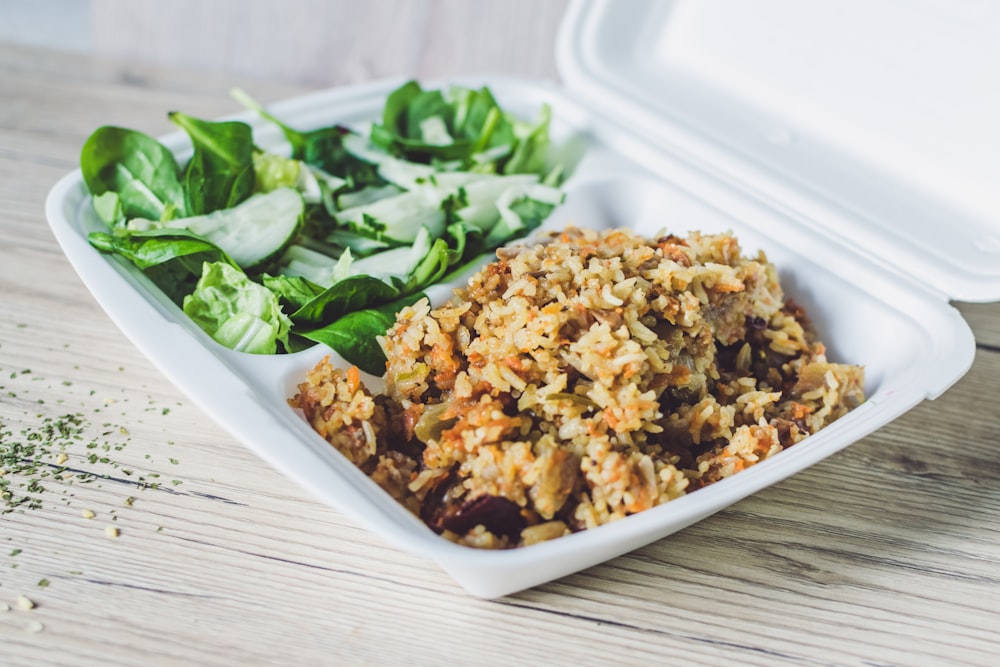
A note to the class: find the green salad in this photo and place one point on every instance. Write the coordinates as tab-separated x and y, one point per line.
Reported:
273	252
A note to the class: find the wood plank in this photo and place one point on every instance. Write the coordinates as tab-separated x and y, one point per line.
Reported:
984	318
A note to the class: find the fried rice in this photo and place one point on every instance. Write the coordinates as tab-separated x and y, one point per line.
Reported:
582	379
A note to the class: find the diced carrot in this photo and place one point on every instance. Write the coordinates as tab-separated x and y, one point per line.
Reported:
353	379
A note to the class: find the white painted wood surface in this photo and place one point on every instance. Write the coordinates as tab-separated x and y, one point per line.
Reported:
887	553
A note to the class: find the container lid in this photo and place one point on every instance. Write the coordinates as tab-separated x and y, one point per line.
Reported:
876	123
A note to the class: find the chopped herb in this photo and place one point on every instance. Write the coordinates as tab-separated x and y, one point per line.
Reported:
35	453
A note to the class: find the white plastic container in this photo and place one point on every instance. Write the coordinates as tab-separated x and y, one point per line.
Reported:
750	117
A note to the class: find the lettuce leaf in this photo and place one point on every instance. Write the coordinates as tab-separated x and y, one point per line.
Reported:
296	291
237	312
274	171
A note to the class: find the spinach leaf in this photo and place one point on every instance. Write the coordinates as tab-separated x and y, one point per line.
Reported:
326	150
531	146
301	142
431	268
294	290
396	105
155	246
220	174
322	147
353	336
465	245
461	128
351	293
419	125
520	216
172	258
479	117
461	239
532	211
177	278
139	171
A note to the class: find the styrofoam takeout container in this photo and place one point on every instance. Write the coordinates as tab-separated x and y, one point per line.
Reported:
806	129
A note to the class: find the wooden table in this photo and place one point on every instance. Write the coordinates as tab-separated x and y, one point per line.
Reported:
887	553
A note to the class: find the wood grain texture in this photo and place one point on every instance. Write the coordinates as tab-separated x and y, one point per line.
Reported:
885	554
321	43
984	325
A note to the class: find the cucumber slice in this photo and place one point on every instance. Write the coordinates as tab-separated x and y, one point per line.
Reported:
403	173
486	199
396	219
359	244
366	196
453	180
253	232
489	190
434	131
317	186
541	199
384	265
480	216
315	267
397	262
